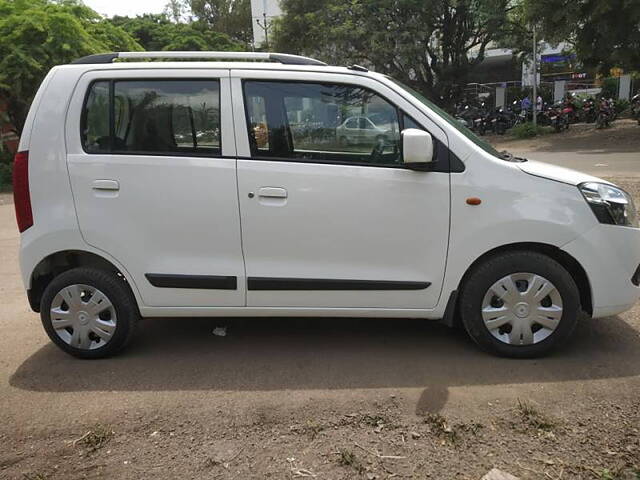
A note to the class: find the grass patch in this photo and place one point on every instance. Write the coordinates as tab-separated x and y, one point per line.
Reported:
606	474
527	130
441	428
96	438
347	458
374	420
532	417
311	429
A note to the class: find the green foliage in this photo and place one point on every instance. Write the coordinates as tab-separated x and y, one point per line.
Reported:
610	87
432	46
156	32
621	106
6	167
36	35
605	33
527	130
231	17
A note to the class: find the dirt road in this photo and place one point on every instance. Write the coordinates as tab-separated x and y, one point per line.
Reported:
311	398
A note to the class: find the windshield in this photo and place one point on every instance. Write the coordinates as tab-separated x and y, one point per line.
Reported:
449	119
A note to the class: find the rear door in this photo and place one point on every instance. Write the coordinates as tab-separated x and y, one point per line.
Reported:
151	157
327	222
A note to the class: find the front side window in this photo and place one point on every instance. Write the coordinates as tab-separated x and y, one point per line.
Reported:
152	117
329	122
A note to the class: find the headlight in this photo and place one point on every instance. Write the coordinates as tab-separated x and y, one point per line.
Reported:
610	204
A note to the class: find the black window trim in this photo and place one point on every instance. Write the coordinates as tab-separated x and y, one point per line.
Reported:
217	153
448	164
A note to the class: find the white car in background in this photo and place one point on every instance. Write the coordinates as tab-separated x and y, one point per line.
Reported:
361	130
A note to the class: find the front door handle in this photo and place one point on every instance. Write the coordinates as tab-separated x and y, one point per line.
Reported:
272	192
105	185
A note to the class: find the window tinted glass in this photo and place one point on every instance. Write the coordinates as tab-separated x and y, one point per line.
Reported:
321	121
95	132
158	116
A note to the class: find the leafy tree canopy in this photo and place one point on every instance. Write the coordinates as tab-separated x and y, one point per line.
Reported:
157	32
431	46
36	35
232	17
605	33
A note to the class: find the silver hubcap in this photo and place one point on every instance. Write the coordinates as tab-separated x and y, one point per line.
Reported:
522	309
83	317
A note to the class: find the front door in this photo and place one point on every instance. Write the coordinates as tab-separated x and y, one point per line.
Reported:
153	172
328	222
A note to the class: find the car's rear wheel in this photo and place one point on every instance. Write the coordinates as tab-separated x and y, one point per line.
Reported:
89	313
519	304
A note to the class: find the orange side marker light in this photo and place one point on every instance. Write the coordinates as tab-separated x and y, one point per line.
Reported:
473	201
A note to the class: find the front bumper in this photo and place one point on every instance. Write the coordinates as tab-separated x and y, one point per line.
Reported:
610	255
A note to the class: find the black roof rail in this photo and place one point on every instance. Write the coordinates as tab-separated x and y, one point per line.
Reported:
284	58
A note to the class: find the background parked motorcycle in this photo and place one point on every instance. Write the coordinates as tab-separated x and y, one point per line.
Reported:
558	118
606	113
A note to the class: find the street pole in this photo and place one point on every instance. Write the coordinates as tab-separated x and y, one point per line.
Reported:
265	26
534	103
266	31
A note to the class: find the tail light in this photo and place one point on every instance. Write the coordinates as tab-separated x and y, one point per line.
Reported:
21	195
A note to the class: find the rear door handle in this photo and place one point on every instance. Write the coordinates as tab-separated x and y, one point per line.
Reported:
272	192
105	185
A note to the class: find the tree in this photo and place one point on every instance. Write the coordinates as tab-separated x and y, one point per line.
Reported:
36	35
157	32
232	17
432	46
604	33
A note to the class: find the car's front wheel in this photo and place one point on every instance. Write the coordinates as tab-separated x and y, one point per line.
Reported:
519	304
89	313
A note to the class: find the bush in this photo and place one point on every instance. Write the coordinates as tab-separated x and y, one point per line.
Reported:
621	105
527	130
610	87
6	167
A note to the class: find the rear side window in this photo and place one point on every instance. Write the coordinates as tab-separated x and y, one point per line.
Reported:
154	117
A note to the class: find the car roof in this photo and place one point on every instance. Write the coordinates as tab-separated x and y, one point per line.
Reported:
213	65
214	60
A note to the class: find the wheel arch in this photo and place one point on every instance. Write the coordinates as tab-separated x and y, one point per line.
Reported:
56	263
574	268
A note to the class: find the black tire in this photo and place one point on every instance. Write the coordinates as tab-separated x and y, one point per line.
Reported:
482	277
117	291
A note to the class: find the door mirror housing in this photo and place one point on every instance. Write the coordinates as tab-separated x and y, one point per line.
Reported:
417	148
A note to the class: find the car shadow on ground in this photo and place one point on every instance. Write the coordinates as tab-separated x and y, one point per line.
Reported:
297	354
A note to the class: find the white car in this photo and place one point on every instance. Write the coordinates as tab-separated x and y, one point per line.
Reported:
361	130
119	221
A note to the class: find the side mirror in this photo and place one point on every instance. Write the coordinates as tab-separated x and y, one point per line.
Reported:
417	148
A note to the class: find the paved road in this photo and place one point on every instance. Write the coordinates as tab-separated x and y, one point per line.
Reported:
613	152
593	162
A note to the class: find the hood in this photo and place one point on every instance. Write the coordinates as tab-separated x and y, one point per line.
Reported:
559	174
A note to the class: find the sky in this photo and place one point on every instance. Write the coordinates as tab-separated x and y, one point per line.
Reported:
126	7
